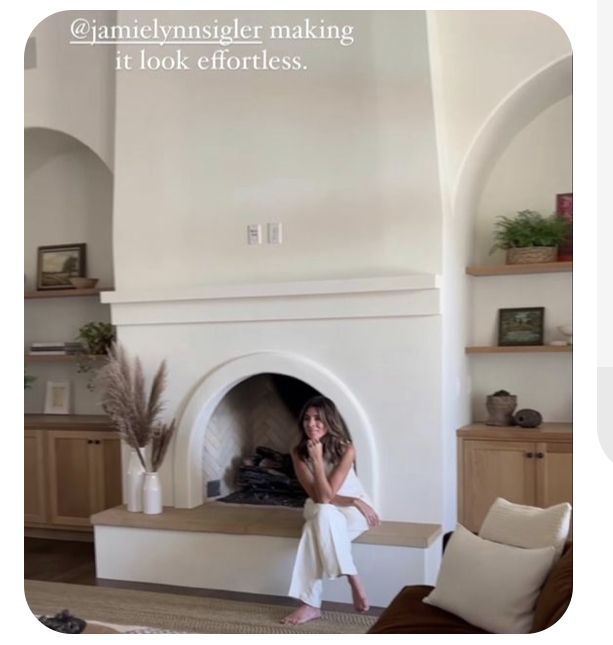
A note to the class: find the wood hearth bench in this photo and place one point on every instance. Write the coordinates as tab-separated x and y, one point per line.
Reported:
251	549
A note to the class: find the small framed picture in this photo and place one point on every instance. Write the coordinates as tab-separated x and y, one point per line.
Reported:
57	398
522	326
57	264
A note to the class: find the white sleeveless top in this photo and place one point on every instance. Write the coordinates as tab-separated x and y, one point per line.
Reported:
352	486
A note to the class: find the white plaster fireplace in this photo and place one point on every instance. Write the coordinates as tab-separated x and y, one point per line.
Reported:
373	345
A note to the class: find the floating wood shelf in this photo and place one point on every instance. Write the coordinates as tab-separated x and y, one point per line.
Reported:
520	269
60	358
66	421
516	350
64	293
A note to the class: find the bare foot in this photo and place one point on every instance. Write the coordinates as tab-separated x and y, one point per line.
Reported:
360	600
303	614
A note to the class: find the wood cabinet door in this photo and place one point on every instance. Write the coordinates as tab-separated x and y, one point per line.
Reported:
108	472
34	498
554	473
491	469
84	474
72	476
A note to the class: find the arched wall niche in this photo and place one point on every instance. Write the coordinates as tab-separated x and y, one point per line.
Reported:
68	198
523	104
529	99
33	130
71	89
546	87
68	192
207	394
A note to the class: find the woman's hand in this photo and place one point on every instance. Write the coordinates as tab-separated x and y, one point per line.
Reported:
368	512
315	450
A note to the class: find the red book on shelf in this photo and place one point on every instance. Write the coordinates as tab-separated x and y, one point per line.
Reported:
564	209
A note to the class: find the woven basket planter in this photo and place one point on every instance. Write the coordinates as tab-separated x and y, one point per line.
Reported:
532	254
500	409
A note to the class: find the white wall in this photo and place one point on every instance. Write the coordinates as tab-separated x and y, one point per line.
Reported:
485	55
71	88
342	154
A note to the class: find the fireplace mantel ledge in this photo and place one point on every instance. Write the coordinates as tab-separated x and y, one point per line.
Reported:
412	282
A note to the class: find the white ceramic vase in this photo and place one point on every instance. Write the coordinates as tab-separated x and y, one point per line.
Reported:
152	494
135	476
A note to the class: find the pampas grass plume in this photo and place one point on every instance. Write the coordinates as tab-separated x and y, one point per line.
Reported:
132	411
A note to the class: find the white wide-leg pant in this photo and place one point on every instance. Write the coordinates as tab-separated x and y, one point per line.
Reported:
324	550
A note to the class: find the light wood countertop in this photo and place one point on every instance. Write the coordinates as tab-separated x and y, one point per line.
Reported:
219	517
545	432
67	422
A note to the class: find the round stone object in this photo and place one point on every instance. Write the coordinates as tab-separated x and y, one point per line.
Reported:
528	418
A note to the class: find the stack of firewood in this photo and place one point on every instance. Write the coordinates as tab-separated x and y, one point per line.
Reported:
267	477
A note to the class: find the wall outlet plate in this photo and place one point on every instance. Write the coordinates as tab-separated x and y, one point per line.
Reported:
254	234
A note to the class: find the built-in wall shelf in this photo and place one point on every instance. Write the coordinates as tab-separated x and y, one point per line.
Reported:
519	269
61	358
64	293
68	421
550	349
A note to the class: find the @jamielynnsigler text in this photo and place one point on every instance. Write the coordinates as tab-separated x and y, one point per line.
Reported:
231	43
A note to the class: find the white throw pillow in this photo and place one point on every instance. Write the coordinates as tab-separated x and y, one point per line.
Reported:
527	526
490	585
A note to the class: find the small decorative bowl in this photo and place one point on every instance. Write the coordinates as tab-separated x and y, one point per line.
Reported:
84	283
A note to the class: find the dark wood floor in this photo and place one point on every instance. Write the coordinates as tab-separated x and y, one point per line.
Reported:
74	563
59	561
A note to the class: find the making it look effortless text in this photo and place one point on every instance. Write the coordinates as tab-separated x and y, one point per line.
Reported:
233	34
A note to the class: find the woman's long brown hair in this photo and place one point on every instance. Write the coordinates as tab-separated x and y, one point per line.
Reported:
335	441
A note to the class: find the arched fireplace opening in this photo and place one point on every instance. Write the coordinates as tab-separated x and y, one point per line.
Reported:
204	449
246	453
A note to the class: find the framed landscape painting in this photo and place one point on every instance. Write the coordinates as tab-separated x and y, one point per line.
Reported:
57	264
521	326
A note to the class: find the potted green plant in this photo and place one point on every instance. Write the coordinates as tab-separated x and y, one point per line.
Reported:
529	237
28	379
96	338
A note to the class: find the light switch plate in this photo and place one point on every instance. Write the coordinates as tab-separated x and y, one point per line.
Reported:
275	233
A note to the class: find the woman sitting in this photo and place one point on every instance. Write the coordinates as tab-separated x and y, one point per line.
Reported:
336	512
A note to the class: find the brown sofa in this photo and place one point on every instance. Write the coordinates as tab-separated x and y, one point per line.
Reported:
407	614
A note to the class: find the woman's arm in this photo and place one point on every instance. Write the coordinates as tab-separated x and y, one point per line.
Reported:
303	473
326	488
308	482
367	511
316	483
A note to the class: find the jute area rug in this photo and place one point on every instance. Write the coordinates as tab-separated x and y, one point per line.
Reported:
179	613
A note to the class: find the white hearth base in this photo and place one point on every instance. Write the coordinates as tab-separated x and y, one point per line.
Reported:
250	563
